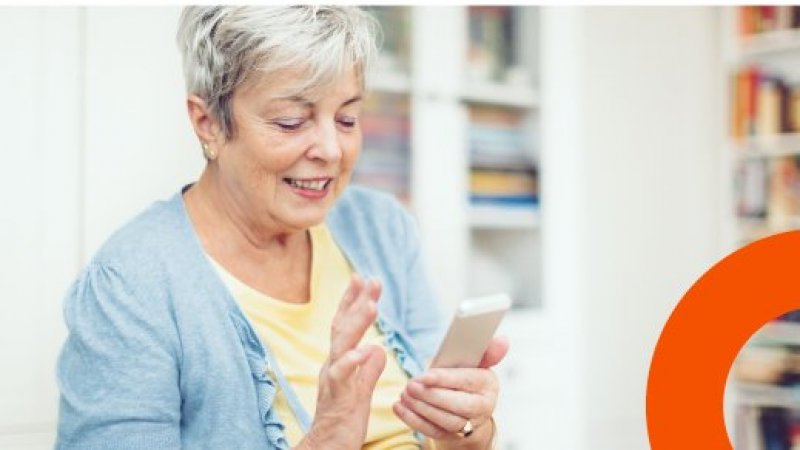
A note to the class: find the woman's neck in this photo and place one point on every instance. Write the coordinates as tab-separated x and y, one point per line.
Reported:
224	227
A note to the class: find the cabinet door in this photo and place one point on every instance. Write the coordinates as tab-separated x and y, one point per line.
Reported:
39	218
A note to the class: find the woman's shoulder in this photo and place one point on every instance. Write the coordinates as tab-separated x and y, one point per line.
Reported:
156	231
132	270
359	203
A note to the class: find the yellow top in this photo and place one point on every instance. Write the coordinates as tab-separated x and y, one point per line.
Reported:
299	337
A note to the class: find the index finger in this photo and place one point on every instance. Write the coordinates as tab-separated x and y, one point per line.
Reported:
350	324
459	379
353	289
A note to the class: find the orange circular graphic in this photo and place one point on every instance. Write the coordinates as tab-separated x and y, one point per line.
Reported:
705	332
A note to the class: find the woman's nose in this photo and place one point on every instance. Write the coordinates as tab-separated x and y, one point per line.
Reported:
327	145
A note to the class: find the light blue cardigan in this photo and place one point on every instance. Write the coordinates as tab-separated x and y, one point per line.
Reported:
159	355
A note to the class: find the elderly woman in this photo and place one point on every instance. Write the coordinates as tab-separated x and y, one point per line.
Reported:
233	315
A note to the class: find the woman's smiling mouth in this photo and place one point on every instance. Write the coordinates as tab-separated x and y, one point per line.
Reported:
309	187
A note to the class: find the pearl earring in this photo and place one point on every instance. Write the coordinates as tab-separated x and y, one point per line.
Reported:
208	152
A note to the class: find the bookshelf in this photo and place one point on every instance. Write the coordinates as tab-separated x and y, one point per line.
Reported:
763	45
455	109
501	101
452	121
762	49
763	399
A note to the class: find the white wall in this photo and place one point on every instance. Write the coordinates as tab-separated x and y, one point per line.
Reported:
39	218
139	146
632	133
94	129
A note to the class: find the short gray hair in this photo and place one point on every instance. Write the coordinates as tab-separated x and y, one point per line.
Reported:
222	46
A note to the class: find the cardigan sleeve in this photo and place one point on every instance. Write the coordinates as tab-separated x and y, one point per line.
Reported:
118	369
424	319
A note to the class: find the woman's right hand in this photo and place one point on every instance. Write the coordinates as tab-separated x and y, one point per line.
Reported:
348	377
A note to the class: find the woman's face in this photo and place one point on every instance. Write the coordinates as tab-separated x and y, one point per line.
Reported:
291	157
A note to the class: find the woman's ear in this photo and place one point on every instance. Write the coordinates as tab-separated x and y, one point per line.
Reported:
205	125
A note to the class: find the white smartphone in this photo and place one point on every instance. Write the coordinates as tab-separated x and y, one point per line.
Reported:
473	326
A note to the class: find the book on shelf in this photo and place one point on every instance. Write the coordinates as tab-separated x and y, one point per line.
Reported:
504	187
506	201
766	428
767	364
766	401
768	189
783	207
492	51
766	377
384	162
791	316
503	171
763	104
496	115
751	180
747	429
498	139
775	424
767	18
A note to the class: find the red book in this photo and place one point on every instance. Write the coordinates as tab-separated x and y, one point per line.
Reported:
767	18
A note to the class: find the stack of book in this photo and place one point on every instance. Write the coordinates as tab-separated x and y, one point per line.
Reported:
764	19
783	207
491	43
752	180
763	104
767	376
385	158
503	171
767	429
770	189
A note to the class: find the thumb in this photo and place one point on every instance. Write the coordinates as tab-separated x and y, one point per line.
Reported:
497	350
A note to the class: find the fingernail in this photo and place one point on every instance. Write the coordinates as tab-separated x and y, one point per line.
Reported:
415	387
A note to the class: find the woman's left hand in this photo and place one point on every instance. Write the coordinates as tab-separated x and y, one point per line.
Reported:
439	402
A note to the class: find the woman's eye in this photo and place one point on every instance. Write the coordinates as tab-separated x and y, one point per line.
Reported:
347	122
289	124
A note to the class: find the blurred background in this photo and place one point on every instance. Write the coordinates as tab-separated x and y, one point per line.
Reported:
591	161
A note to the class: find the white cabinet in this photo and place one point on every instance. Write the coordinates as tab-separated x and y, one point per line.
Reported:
763	112
762	192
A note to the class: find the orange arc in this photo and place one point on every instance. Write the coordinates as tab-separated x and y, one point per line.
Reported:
719	313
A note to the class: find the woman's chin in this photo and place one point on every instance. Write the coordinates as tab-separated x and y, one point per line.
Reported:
302	222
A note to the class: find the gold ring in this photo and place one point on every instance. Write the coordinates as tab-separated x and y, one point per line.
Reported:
466	430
